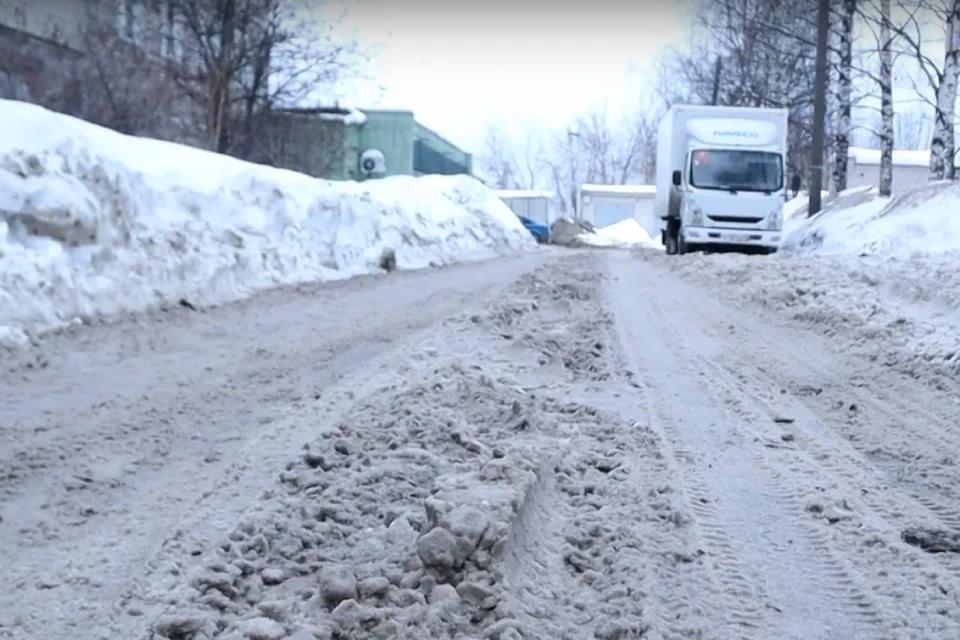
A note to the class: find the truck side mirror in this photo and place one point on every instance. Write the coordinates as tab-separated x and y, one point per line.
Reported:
677	179
795	184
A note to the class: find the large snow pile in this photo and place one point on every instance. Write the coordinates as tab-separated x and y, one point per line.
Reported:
94	223
860	221
464	497
626	233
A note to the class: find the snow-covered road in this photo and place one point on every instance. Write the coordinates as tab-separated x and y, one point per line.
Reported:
559	445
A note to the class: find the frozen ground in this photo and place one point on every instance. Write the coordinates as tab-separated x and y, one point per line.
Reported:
557	445
95	224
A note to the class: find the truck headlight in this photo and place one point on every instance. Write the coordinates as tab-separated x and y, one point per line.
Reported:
694	215
775	219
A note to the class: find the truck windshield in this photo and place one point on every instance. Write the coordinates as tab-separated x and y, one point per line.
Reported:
735	170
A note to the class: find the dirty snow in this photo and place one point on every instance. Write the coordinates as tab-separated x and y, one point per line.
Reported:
877	274
94	223
898	310
529	448
440	488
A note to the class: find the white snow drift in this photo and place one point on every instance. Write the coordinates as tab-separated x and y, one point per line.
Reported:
93	223
623	234
860	221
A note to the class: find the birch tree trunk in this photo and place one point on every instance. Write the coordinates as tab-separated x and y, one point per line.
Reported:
886	101
947	96
844	94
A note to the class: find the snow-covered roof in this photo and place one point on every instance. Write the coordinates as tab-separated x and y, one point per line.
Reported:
618	189
348	116
901	157
523	193
352	117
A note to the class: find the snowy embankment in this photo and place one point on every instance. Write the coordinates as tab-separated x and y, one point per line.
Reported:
882	272
860	221
94	223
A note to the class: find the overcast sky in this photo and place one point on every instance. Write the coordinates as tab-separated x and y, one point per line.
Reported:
458	64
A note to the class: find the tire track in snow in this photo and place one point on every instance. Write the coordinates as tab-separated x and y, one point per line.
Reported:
840	580
916	573
742	612
894	508
815	593
822	570
598	533
740	597
878	412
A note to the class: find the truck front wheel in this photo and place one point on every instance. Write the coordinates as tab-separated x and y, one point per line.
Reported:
671	238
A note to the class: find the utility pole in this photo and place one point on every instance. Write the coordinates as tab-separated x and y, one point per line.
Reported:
573	171
717	73
819	107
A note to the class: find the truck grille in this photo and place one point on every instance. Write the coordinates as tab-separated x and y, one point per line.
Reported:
735	219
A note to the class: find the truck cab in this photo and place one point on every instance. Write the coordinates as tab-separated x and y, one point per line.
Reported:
720	171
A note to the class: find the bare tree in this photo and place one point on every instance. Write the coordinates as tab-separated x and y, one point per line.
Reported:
921	17
943	144
496	161
563	167
912	130
617	152
245	58
120	85
766	50
512	162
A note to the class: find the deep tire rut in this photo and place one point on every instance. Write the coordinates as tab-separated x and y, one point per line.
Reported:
831	588
849	512
735	587
890	509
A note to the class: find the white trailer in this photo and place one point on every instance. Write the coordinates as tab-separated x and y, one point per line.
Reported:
720	177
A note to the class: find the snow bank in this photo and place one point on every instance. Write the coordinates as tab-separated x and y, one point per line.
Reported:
94	223
623	234
860	221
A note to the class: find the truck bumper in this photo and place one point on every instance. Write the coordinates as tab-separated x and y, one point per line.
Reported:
731	237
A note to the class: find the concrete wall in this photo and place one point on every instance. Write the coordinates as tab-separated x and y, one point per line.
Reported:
52	53
910	169
905	177
536	208
29	66
309	144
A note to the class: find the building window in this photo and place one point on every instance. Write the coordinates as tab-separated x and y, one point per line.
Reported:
428	160
174	32
130	20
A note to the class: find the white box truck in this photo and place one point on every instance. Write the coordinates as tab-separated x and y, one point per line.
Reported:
720	177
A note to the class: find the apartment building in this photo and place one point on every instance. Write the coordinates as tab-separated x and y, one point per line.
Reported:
51	29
